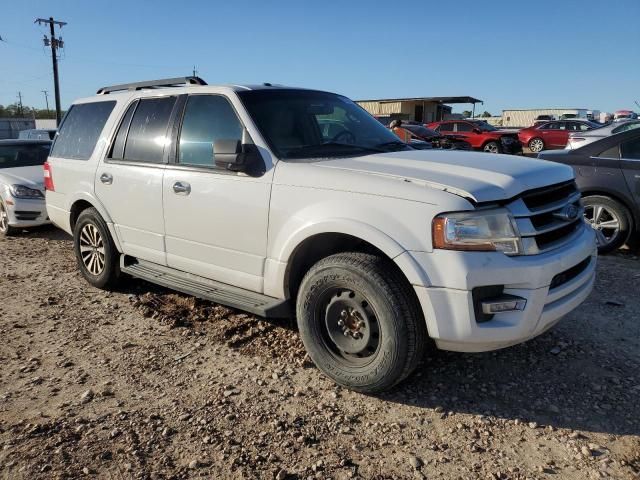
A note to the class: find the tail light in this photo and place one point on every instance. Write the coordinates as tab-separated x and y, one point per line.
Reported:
48	179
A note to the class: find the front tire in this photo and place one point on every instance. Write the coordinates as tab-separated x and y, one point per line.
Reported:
610	219
6	230
360	322
491	147
536	145
95	251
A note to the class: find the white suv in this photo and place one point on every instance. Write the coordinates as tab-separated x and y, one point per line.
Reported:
236	194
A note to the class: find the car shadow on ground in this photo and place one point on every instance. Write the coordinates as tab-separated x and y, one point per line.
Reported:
547	380
46	232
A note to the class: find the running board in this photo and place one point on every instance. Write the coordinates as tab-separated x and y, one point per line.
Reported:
206	289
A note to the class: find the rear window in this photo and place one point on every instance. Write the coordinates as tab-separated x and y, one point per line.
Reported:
147	135
81	129
12	156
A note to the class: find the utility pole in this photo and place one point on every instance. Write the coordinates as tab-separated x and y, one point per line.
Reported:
195	72
55	43
20	104
46	99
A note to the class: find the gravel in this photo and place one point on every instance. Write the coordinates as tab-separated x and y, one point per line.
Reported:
146	383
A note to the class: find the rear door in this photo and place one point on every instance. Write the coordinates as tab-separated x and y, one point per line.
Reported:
630	163
554	134
215	220
129	180
465	130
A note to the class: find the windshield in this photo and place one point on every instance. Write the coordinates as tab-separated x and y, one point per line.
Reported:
484	126
307	124
23	155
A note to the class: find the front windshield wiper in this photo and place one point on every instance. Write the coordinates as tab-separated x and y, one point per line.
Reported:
393	143
329	145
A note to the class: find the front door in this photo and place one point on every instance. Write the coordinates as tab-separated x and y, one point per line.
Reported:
129	181
215	219
630	164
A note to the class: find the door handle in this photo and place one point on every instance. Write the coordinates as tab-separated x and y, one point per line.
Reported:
181	188
106	178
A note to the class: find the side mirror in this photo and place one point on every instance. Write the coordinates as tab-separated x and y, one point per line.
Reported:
238	157
477	130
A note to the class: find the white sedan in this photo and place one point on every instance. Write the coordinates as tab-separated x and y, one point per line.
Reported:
22	202
580	139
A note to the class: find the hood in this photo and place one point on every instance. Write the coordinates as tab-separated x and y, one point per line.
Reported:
481	177
32	176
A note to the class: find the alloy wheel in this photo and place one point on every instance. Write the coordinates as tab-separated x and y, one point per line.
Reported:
349	326
4	218
536	145
491	147
92	249
605	221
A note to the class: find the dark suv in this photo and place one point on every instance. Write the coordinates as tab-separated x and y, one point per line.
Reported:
608	175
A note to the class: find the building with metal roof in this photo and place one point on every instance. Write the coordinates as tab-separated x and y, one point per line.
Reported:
419	109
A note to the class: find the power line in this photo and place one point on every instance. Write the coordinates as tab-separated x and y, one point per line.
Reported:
20	104
55	44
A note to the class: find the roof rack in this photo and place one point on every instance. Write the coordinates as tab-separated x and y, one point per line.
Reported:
165	82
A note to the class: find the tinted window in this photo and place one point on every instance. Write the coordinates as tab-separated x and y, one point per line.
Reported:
626	126
23	155
81	129
117	151
463	127
148	131
612	152
207	118
551	126
631	149
446	127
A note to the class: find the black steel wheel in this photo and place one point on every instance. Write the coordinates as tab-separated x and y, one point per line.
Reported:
360	321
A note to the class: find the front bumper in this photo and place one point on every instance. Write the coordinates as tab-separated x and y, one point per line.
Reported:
448	304
513	148
24	213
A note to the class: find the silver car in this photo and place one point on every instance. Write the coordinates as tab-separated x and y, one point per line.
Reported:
580	139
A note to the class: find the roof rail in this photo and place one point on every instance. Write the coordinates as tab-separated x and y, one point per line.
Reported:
164	82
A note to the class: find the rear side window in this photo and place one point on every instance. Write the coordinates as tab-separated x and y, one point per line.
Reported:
463	127
148	130
117	151
446	127
81	129
631	149
207	118
612	152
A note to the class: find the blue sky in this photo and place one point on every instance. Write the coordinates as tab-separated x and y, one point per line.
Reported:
511	54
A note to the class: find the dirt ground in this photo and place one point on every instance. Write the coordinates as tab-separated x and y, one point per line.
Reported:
145	383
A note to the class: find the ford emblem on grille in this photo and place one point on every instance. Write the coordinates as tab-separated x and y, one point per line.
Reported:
568	213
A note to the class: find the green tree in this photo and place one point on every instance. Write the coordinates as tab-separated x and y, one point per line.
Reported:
13	110
486	114
466	113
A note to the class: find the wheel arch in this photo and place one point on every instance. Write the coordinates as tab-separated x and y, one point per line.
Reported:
84	201
309	246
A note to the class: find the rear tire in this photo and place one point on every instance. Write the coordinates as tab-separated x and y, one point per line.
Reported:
360	322
6	230
610	219
536	145
491	147
95	251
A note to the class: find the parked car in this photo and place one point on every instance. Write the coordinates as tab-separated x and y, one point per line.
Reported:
37	134
22	202
437	140
580	139
550	135
544	118
608	175
235	194
481	135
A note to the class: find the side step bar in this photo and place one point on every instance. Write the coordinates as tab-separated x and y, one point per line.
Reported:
206	289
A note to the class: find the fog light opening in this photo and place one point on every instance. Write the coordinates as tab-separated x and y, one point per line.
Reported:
506	303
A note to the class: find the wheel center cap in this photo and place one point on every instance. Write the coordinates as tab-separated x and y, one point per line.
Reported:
347	326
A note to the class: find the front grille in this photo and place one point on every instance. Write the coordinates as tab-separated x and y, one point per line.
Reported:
569	274
548	217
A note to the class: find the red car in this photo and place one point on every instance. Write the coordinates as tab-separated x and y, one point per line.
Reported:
480	135
554	134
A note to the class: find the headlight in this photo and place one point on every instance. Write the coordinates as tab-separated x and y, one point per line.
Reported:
489	230
21	191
